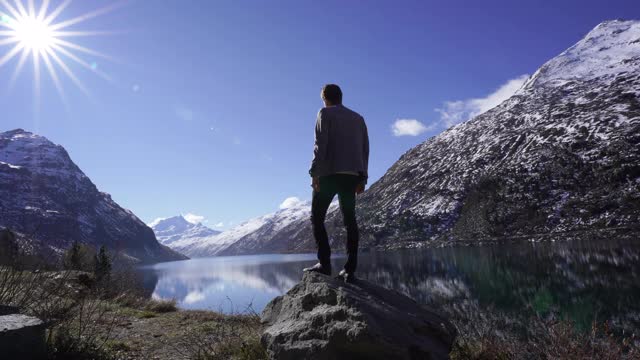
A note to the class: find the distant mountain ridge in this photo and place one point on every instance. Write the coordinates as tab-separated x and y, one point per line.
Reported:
51	203
176	228
249	237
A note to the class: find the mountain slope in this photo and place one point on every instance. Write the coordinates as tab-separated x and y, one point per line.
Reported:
51	203
562	154
176	228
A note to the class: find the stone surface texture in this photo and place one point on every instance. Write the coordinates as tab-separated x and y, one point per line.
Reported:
325	318
22	337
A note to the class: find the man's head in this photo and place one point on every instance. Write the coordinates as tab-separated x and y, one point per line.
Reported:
331	95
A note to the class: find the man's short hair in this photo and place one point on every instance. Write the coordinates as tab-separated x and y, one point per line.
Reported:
332	93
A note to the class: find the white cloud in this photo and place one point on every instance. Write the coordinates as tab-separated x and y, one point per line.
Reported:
219	225
193	218
410	127
455	112
291	202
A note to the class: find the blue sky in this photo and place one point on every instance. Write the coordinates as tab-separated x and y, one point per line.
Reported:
210	105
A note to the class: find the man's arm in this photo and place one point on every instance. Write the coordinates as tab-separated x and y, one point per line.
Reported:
366	151
365	155
319	146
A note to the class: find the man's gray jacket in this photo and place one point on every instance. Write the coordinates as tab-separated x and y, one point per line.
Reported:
341	143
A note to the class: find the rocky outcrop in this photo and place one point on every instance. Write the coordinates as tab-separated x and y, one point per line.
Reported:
325	318
22	337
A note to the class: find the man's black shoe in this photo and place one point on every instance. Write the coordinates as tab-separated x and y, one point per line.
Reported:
347	276
319	269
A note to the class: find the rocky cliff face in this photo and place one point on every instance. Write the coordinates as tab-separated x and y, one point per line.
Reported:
51	203
561	155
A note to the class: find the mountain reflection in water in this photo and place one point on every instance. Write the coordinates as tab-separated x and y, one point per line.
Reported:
580	281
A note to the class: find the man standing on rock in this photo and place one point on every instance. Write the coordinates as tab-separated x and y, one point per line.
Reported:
340	164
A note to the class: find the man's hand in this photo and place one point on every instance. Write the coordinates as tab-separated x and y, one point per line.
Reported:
315	183
360	188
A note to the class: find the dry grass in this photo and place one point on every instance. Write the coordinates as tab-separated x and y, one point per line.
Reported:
228	337
487	335
85	333
161	306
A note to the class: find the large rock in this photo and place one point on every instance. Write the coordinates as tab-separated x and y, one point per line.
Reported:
22	337
324	318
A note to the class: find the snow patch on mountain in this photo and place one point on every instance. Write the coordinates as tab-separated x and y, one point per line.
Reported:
612	47
176	228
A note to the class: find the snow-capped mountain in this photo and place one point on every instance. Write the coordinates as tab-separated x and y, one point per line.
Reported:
611	48
561	155
253	236
170	230
50	203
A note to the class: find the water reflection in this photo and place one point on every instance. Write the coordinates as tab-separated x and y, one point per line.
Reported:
228	284
580	281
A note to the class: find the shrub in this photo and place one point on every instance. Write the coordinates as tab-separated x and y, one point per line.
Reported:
85	331
161	306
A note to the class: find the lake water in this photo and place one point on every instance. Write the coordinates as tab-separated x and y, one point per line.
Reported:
581	281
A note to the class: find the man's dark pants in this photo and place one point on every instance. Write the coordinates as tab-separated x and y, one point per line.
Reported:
345	186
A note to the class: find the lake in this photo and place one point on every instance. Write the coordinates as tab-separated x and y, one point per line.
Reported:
577	280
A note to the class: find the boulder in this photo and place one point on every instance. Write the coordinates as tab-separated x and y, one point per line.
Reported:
22	337
325	318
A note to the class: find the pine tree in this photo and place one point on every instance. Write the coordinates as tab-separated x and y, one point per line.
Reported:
9	250
102	264
73	257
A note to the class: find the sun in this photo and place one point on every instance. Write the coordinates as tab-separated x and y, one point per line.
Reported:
34	34
30	31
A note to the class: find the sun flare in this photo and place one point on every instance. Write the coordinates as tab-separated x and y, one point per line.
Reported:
34	34
27	30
